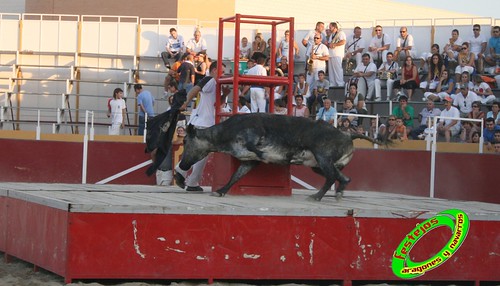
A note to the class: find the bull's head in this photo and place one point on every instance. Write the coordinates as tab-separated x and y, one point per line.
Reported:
196	147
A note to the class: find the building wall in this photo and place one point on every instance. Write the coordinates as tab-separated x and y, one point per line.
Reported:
198	9
143	9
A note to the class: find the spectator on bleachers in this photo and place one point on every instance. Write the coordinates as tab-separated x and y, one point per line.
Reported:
391	67
490	132
358	100
464	99
187	74
284	47
389	127
336	49
368	70
302	87
197	44
349	108
267	50
283	65
245	49
495	112
346	126
319	92
478	45
465	61
280	107
374	130
299	108
452	48
425	58
243	105
467	132
436	67
174	47
409	77
404	111
425	118
446	87
379	45
200	67
449	127
400	131
327	112
476	113
355	47
404	45
258	45
173	74
497	147
308	40
465	80
318	53
483	90
494	43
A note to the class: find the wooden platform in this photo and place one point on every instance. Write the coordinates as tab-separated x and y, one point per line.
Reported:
149	232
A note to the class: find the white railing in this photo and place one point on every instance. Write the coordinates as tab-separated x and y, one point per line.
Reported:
434	145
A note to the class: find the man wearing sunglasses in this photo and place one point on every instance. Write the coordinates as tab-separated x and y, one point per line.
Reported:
318	53
494	44
478	46
404	45
379	45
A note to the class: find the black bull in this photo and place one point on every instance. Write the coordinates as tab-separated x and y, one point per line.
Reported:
278	139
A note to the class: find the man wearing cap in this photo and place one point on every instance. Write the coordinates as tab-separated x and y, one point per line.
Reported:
464	99
404	111
449	127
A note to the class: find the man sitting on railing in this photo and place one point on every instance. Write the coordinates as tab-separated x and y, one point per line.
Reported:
174	47
197	44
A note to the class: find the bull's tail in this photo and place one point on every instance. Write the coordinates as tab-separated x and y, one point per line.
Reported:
381	140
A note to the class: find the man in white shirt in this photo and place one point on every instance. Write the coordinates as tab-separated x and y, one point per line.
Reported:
319	54
453	46
464	99
257	93
379	45
308	40
174	47
336	49
449	127
389	67
478	45
197	44
201	117
355	46
368	70
404	45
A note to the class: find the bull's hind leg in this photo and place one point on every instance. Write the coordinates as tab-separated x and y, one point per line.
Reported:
343	181
242	170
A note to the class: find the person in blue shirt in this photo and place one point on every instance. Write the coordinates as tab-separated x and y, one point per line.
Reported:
145	102
494	44
489	132
327	112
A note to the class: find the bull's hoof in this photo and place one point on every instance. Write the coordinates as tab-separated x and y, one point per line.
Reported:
180	180
339	195
314	198
217	194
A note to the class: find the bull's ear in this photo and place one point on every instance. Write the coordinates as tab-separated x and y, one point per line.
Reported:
191	130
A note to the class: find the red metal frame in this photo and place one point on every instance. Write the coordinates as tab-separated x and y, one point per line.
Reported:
236	79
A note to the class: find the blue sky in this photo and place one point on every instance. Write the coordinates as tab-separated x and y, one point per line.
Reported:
484	8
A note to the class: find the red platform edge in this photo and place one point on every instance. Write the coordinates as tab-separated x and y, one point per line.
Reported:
177	246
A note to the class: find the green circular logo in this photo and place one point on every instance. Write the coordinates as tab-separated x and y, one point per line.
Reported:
456	220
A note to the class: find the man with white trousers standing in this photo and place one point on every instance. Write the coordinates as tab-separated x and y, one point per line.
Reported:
336	49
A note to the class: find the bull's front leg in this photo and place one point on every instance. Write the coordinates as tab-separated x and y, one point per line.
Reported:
242	170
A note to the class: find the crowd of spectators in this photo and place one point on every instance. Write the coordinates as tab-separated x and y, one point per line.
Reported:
453	78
